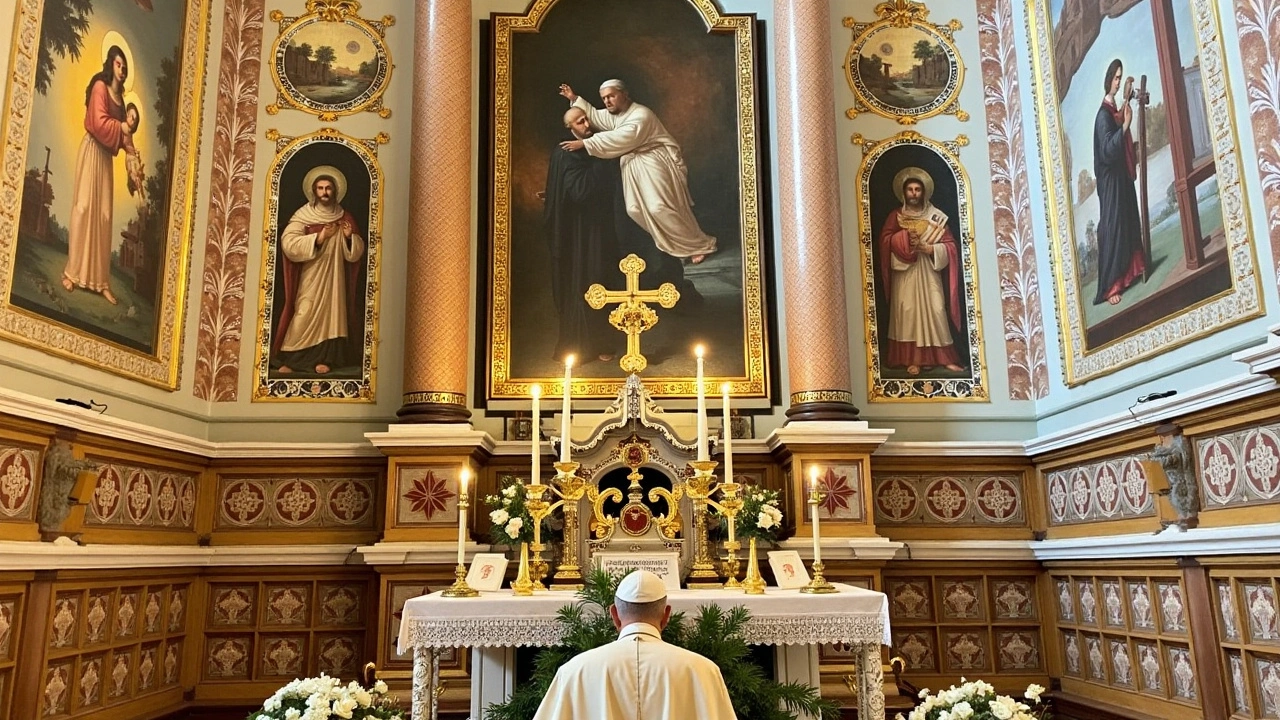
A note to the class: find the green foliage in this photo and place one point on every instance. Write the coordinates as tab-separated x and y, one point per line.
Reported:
714	633
325	55
508	507
760	516
62	28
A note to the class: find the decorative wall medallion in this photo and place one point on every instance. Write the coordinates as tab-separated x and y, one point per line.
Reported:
1099	490
1071	653
1262	463
90	683
1097	661
965	650
902	66
1107	490
1014	599
1268	674
843	501
1260	602
172	661
426	496
1066	602
1133	486
147	667
1218	471
341	605
896	499
120	671
1172	610
1019	649
95	625
932	499
1058	493
1182	673
1149	663
233	605
126	624
1140	604
1240	700
1252	455
283	656
910	599
1088	603
167	499
295	502
331	62
1121	664
17	482
57	683
8	609
151	612
961	600
917	649
338	654
1227	611
138	497
227	658
65	619
177	609
288	605
133	496
1112	603
106	494
916	232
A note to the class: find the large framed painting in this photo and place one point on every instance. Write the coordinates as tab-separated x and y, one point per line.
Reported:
321	258
919	272
1148	222
330	61
100	149
903	67
619	128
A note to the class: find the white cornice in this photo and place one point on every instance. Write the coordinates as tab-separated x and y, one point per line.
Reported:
843	548
1238	540
1204	397
986	550
827	433
1263	358
431	435
60	556
416	553
952	449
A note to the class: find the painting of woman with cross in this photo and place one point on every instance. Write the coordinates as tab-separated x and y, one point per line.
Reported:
565	213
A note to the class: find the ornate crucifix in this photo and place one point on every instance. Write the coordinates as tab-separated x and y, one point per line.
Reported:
632	316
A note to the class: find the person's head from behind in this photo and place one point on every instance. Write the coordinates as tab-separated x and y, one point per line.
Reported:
578	123
641	598
615	96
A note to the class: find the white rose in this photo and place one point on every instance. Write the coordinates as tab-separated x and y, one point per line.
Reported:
380	687
962	711
499	516
1000	711
513	527
774	513
1033	692
509	491
765	521
292	714
344	708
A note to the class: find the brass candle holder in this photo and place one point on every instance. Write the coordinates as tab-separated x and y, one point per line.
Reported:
729	506
538	510
460	588
818	585
570	488
699	488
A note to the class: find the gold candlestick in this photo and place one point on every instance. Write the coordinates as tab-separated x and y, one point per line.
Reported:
522	585
699	489
730	505
538	509
460	588
570	488
731	565
818	585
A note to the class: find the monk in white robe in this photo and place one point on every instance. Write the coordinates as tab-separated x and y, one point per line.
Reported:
655	180
319	244
638	676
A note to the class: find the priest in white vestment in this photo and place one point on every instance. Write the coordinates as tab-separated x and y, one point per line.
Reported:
655	180
320	245
638	676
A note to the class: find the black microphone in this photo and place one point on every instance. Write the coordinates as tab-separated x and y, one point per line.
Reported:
1157	396
73	401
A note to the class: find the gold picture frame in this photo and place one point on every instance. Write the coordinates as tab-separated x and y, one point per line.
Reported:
311	84
886	165
139	334
301	161
526	124
1224	288
929	86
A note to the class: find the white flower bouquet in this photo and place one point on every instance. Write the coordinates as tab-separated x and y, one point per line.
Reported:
759	517
977	700
326	698
512	523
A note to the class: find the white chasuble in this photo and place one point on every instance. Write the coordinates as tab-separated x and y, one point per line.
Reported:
320	305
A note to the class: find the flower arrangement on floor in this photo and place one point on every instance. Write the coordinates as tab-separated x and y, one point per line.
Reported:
977	700
512	523
714	633
326	698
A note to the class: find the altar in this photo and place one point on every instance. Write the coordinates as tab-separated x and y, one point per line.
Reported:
495	623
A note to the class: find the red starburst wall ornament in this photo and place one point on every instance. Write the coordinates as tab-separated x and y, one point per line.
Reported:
839	493
430	495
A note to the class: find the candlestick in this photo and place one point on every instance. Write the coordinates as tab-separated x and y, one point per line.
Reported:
703	452
564	410
728	438
460	588
536	471
818	585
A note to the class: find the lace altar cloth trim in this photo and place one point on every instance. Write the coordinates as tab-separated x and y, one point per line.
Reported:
780	617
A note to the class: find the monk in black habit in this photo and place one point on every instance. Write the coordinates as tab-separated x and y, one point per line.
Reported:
582	230
1121	257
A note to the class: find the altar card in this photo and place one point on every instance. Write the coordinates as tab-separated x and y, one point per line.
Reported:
788	568
665	565
487	571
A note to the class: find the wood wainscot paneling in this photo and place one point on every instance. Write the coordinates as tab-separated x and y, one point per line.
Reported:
422	493
270	502
1245	596
138	495
265	627
13	598
99	645
22	446
1126	633
976	620
955	498
1101	489
396	586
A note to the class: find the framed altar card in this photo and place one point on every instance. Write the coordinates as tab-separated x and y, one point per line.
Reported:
788	568
487	571
686	70
665	565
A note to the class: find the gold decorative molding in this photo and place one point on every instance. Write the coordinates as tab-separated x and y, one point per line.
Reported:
434	398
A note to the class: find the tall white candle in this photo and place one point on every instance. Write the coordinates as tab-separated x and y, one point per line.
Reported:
535	472
813	514
728	436
462	514
703	451
564	410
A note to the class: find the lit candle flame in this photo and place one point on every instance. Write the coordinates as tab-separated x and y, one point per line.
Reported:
464	478
698	351
536	391
568	361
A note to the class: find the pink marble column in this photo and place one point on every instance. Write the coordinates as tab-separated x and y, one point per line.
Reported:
808	178
437	309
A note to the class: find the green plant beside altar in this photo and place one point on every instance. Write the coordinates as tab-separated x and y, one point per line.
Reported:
977	700
714	633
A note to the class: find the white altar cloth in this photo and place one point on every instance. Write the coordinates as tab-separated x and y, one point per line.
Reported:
781	618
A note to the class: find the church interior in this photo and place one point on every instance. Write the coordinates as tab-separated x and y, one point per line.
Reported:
984	291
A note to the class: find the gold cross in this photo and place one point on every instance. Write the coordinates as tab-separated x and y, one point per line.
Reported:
632	316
